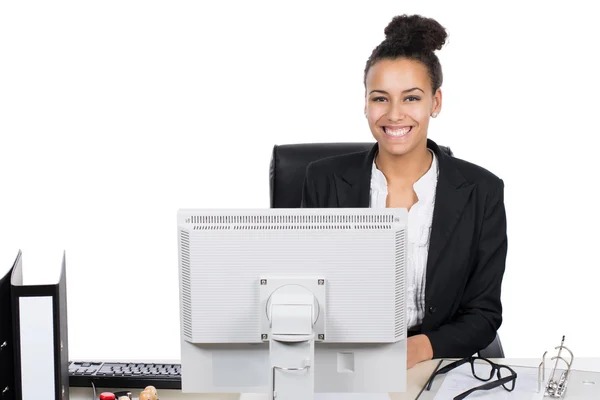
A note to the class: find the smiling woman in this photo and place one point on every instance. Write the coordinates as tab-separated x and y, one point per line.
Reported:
457	241
402	80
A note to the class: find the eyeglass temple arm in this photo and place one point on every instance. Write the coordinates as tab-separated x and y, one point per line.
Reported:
445	369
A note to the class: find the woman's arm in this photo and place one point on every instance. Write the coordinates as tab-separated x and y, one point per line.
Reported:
480	312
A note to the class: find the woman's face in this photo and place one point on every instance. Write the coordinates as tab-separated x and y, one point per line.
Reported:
398	105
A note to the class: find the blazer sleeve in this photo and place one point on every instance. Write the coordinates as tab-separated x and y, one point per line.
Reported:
309	191
480	313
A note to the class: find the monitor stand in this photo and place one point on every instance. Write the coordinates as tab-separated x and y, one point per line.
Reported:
292	310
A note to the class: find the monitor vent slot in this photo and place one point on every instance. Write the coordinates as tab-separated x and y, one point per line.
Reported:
400	256
186	288
293	219
288	227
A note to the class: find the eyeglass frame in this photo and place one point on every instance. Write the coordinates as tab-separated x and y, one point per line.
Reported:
501	381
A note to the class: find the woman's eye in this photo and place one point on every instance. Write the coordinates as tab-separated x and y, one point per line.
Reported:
412	98
379	99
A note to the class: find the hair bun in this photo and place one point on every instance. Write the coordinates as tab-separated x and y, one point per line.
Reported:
415	33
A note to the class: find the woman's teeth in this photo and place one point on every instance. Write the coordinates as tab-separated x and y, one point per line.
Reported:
397	132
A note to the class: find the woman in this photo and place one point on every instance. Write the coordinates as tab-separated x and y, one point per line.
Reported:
457	240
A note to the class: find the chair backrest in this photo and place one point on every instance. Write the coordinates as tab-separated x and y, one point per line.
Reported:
288	166
287	170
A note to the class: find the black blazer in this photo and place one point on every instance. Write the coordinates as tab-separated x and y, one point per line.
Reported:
467	250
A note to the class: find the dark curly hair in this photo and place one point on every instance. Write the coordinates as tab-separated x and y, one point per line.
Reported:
413	37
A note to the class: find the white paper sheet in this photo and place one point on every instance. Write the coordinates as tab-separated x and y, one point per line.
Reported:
461	379
352	396
327	396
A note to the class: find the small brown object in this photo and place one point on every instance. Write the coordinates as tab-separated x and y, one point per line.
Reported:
145	395
124	398
152	391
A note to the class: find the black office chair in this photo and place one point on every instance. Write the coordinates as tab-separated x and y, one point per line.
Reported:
288	166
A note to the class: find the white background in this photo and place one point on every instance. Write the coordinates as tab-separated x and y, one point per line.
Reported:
115	114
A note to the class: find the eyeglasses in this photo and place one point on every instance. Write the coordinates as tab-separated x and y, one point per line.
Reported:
484	370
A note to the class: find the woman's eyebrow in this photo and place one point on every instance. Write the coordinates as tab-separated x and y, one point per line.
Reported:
404	91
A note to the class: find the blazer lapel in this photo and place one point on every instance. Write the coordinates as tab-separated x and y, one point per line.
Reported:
353	187
452	195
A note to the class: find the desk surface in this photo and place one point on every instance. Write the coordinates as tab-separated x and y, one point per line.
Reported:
416	379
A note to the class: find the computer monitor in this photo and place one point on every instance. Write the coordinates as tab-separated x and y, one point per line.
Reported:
293	301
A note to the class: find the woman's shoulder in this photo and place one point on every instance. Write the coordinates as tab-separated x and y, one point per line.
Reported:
476	174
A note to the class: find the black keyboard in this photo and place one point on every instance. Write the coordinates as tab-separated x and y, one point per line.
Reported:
124	375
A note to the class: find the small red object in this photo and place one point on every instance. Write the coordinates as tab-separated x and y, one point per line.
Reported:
107	396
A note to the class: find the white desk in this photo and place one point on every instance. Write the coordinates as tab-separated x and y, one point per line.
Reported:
416	379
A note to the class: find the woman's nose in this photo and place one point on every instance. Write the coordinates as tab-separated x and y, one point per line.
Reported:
395	112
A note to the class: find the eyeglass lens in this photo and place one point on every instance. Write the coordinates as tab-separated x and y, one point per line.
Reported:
483	370
504	372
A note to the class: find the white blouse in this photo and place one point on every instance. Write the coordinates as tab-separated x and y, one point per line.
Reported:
418	233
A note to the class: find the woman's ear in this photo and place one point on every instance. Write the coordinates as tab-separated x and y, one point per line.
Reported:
437	103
